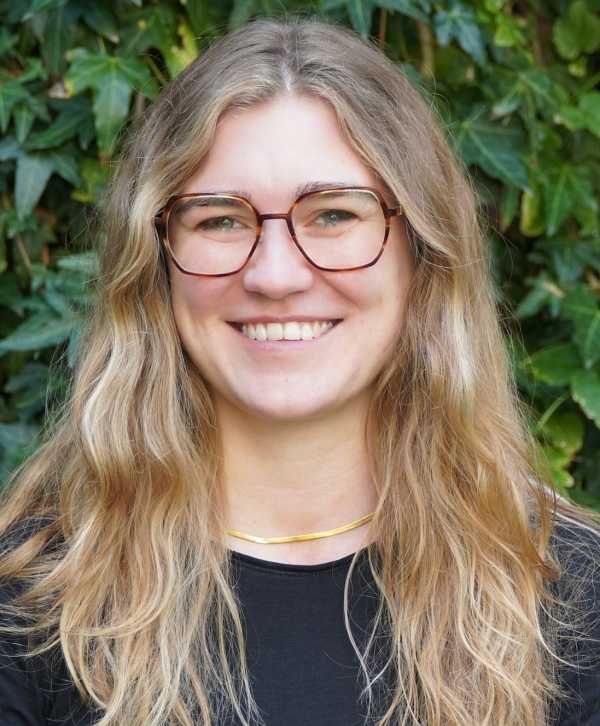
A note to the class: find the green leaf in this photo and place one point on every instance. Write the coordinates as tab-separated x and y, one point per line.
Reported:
585	388
155	27
85	263
75	112
586	115
34	71
578	32
555	364
15	440
360	13
558	461
100	18
94	180
58	36
508	33
28	388
10	293
418	11
23	116
112	80
531	223
37	333
9	149
10	93
581	305
178	57
460	24
39	6
564	185
65	165
110	109
33	172
495	149
566	431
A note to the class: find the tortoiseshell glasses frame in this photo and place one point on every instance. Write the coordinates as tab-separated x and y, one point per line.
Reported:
161	222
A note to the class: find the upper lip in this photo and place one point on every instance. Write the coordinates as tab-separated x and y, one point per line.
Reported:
265	319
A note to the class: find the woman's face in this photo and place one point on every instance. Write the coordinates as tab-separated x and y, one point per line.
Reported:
267	153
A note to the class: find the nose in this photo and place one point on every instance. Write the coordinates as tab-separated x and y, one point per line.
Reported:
277	267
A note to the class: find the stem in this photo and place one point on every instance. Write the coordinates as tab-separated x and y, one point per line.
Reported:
551	409
587	86
23	252
19	240
382	28
154	68
426	43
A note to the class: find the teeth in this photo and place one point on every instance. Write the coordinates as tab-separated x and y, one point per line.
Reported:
291	330
261	332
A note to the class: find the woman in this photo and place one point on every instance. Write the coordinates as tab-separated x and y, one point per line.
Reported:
295	336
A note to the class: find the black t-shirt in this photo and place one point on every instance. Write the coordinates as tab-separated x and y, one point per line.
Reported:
303	668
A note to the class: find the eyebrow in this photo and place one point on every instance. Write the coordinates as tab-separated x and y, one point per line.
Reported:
304	188
217	201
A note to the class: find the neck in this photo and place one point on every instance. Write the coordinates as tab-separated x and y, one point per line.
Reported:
285	478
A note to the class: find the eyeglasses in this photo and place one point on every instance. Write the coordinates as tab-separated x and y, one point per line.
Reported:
215	235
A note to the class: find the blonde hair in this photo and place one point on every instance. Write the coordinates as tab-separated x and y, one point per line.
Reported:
124	557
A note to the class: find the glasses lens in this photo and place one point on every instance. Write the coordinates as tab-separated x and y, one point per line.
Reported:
340	229
211	235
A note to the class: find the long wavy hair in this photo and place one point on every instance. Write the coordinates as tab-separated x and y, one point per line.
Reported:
124	562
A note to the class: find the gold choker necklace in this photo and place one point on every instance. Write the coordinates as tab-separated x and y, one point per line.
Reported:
301	537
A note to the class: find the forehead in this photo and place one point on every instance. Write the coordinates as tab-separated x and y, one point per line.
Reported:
271	151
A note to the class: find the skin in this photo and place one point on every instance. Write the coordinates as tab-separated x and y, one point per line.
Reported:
292	413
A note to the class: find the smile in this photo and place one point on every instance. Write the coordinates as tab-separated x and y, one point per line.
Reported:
290	330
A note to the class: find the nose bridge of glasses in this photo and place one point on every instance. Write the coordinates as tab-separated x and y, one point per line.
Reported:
286	216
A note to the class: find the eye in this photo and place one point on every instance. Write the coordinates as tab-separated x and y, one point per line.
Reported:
331	217
219	223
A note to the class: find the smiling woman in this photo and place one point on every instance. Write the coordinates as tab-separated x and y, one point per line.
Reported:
291	486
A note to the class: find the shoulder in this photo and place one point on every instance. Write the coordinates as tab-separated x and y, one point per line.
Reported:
575	616
575	547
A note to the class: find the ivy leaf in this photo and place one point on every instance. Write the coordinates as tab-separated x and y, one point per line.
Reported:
9	149
155	27
508	34
578	32
460	24
360	13
15	440
555	364
65	165
110	109
585	388
494	148
112	80
564	185
28	386
75	113
58	35
11	92
586	115
39	332
581	306
100	18
566	431
417	10
33	172
531	222
545	293
558	461
23	116
39	6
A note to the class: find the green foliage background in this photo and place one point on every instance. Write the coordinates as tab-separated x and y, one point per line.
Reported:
515	82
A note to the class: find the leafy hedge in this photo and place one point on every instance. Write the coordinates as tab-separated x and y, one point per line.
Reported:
515	81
